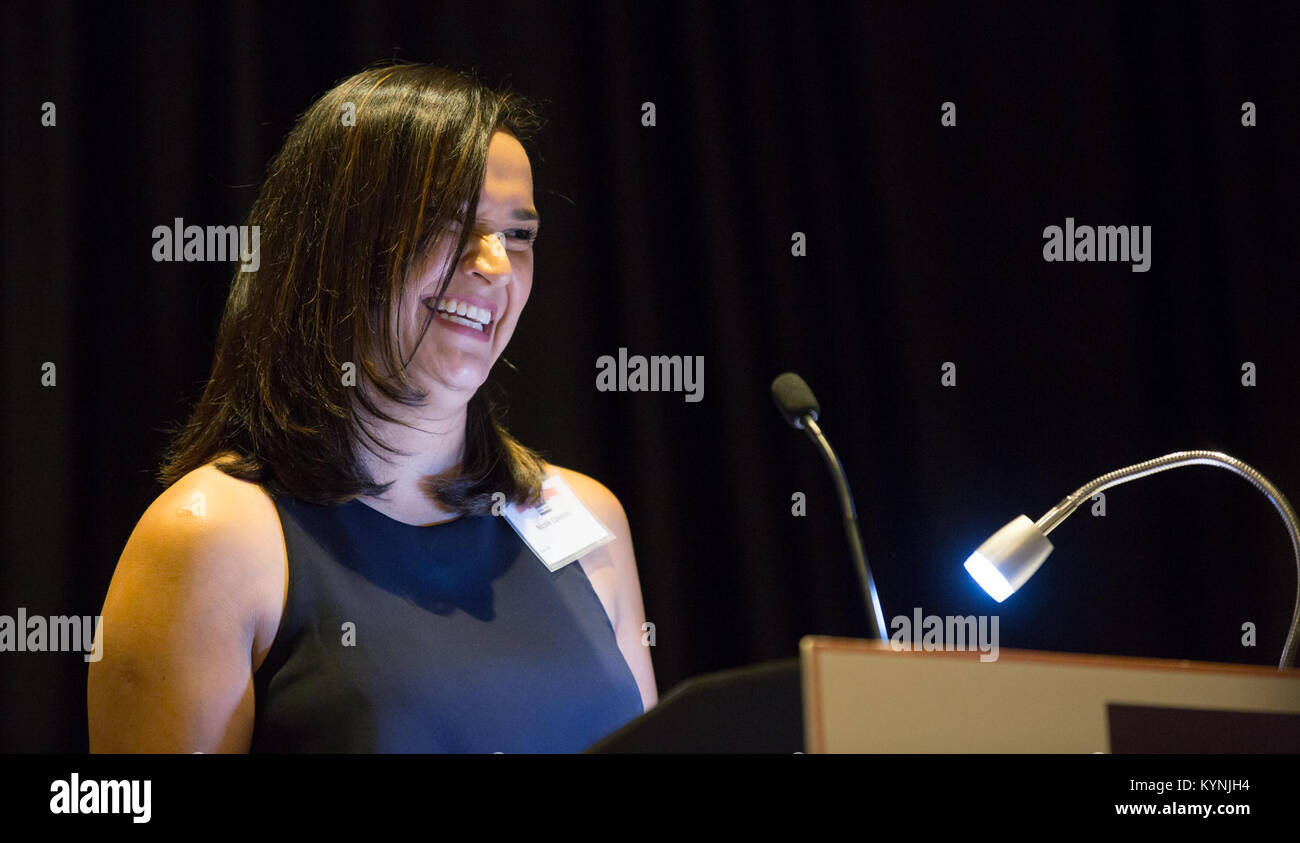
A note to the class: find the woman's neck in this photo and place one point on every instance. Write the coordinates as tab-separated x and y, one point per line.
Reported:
432	441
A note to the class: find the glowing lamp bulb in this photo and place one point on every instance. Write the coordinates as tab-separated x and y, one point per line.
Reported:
1008	558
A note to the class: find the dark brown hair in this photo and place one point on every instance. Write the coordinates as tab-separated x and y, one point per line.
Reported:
344	214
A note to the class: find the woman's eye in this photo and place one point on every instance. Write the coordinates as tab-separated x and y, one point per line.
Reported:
524	236
517	238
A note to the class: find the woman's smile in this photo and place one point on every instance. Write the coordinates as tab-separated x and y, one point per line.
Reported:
466	314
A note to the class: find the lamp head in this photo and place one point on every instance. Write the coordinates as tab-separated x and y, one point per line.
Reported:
1008	558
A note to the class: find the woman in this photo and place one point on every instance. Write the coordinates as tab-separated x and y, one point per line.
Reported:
324	571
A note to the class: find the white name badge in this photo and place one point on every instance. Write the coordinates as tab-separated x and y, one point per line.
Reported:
560	529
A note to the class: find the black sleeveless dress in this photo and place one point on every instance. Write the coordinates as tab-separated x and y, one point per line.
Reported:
448	638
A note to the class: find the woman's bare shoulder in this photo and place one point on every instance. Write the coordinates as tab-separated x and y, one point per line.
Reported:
593	494
191	611
210	536
211	506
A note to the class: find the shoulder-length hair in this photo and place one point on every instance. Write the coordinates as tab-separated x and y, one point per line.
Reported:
369	179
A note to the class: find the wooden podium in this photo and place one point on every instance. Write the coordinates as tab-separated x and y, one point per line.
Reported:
845	695
862	696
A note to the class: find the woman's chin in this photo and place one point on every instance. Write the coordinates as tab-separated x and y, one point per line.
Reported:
454	366
466	378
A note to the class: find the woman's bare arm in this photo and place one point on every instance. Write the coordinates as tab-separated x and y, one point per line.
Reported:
629	608
190	612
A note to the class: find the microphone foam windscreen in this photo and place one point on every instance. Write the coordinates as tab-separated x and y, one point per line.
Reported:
793	398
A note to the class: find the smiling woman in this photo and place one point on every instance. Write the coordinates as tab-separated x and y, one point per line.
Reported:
324	571
359	219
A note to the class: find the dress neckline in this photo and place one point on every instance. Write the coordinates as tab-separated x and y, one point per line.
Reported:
358	503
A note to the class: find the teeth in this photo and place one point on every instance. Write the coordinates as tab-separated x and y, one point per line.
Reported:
479	316
461	320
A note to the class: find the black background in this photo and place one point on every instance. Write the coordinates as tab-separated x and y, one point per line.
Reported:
924	246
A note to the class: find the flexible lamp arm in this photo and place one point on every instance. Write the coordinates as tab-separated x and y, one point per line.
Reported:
1053	518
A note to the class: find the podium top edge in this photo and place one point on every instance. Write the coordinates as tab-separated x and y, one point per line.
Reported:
811	646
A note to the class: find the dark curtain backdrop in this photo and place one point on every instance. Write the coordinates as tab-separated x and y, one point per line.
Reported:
924	246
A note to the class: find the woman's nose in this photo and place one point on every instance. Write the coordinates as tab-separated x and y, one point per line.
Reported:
488	256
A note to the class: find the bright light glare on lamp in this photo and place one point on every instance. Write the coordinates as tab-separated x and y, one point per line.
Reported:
988	576
1009	558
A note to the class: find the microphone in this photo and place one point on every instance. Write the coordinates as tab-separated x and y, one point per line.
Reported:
794	399
800	410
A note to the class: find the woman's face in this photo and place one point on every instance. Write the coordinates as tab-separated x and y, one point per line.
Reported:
489	288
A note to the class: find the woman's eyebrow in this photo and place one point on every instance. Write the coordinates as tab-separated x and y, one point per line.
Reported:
520	214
